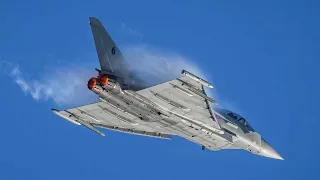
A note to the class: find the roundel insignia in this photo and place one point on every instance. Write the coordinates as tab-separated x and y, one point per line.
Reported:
113	50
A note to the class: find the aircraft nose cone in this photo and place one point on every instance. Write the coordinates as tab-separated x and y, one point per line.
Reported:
268	151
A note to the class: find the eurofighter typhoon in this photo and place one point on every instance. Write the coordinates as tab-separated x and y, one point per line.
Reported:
179	107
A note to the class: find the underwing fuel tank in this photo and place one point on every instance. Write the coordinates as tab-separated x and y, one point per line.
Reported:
196	78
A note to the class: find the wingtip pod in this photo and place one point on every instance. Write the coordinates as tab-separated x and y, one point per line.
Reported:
57	112
196	78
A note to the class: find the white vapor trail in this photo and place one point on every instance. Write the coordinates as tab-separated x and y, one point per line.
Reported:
64	86
68	86
155	66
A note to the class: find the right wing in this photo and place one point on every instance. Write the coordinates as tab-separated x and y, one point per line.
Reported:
186	100
183	96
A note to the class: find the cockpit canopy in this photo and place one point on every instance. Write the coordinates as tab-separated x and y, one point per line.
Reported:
235	117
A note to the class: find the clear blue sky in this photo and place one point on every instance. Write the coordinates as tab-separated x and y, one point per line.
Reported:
262	56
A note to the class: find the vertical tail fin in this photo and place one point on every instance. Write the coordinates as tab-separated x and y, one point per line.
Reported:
110	57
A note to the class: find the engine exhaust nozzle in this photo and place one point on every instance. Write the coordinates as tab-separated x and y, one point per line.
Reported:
92	83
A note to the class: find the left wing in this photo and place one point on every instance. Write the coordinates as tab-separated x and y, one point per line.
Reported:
105	116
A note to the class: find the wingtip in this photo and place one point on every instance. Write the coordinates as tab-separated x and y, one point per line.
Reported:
54	110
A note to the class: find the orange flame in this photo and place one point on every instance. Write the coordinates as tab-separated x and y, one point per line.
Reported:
103	80
92	83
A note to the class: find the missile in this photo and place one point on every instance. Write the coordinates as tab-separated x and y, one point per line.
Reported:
199	125
196	78
196	91
181	89
89	116
169	101
147	102
116	107
89	126
122	118
203	96
77	120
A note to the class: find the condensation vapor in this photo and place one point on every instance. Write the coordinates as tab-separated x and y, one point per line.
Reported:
67	85
154	66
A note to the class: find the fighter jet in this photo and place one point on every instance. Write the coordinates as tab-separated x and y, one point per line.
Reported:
179	107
